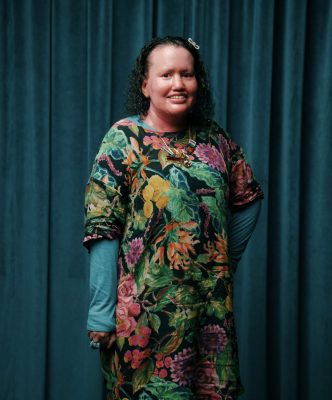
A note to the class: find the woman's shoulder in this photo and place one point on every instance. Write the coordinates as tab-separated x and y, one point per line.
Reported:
127	121
211	128
132	124
124	128
119	134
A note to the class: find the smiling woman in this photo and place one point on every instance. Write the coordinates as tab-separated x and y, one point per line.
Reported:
170	86
139	104
162	187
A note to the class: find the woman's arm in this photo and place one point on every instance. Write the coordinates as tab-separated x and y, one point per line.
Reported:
103	288
240	228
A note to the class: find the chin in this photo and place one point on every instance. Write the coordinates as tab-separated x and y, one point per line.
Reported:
179	111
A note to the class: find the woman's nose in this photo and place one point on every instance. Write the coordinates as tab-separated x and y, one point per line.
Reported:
177	82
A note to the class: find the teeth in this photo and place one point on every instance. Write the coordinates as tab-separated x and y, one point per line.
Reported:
177	97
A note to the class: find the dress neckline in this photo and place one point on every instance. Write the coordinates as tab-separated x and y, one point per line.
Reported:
149	129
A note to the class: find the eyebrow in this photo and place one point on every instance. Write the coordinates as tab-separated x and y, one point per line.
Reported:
165	69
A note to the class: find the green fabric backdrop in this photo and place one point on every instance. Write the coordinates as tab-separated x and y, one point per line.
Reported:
63	72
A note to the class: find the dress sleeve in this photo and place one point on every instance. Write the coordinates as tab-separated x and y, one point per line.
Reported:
243	187
106	195
241	225
103	285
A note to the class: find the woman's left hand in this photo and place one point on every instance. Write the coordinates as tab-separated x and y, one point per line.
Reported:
106	339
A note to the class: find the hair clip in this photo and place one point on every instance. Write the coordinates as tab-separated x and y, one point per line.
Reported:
193	43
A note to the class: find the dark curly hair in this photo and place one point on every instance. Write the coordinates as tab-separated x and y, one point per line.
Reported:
137	103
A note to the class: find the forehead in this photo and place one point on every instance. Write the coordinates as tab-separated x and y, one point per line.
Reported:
170	56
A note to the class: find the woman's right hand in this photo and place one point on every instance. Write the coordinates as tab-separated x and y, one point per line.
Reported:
106	339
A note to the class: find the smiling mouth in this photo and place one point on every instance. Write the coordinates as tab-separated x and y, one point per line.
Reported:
178	97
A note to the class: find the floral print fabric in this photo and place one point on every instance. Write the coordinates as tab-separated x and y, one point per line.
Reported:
175	327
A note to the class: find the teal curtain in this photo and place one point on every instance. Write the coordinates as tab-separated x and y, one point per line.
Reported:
63	70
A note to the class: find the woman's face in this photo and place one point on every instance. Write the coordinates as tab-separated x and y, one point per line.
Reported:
170	84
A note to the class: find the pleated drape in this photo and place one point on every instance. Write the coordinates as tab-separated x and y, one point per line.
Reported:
63	75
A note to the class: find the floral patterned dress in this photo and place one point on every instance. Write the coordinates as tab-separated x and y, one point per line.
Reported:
175	327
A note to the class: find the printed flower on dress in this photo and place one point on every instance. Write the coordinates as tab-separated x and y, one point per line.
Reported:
224	147
207	380
126	308
136	357
162	364
127	289
183	367
217	250
240	179
210	155
141	338
107	159
182	251
125	324
155	141
213	339
155	192
135	251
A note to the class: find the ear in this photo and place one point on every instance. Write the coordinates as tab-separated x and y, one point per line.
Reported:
145	89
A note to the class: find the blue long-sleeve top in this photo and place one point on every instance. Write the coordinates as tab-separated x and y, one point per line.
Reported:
103	267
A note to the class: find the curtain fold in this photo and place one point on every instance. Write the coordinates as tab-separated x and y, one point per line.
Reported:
284	199
315	206
25	217
64	71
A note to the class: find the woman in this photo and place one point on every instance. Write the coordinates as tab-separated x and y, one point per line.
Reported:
170	205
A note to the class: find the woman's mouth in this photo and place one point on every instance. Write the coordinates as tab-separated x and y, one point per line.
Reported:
178	97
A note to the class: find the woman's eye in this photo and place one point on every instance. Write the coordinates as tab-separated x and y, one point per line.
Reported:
187	74
166	75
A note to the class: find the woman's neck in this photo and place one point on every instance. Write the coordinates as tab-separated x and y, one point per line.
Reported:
170	124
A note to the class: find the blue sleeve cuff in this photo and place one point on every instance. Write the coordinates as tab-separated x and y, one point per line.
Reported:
103	285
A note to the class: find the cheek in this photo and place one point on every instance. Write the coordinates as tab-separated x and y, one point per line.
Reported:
160	89
193	88
145	89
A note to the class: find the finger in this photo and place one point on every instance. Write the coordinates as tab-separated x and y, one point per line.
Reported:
105	338
111	340
108	340
95	336
103	334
